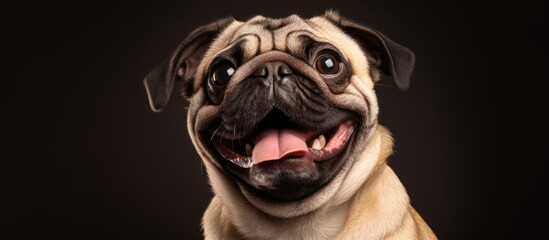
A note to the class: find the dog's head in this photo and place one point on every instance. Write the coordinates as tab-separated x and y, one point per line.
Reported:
281	108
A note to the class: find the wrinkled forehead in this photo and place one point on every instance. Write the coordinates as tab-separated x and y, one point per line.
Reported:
260	34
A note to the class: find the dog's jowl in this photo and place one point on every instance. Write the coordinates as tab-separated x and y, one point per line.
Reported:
284	115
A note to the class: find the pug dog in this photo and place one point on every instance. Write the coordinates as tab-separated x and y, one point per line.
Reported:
284	115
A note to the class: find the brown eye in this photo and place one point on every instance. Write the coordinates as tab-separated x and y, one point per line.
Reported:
327	64
222	73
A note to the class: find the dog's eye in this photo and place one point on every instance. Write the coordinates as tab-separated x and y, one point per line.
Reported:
327	64
222	73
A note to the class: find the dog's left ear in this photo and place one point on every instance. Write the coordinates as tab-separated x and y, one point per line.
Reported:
182	65
388	56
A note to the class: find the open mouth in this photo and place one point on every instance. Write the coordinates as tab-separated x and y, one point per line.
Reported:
277	137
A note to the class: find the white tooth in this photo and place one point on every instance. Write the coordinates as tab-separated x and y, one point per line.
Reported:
248	149
316	144
322	140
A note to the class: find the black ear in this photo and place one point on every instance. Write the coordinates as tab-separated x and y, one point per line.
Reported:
181	66
391	58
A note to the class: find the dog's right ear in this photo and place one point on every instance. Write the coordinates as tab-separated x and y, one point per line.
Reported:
181	66
386	55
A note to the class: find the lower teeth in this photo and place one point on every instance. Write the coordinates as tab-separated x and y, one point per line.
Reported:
316	145
319	143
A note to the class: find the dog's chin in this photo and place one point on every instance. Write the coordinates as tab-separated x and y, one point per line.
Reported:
298	172
288	179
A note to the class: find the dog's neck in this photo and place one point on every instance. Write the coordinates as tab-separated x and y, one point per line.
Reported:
362	191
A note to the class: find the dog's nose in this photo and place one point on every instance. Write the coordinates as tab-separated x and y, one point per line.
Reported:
275	71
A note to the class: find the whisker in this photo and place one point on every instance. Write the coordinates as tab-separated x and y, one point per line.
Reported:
213	135
234	134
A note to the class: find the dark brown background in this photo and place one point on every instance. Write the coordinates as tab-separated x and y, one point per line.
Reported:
86	159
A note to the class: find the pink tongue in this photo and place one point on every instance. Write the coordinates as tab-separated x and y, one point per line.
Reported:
274	144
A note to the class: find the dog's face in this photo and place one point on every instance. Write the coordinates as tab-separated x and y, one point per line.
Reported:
281	107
